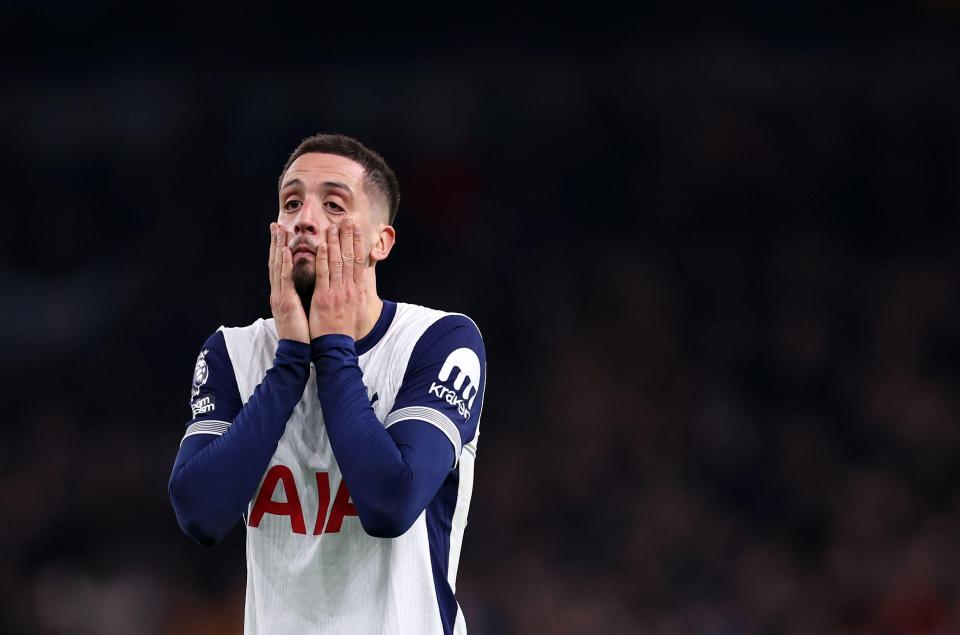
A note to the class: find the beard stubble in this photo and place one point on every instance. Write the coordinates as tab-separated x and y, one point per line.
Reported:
304	281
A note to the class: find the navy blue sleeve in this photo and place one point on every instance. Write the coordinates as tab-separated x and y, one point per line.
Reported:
393	472
227	447
445	380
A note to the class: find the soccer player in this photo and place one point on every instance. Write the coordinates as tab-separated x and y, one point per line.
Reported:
344	430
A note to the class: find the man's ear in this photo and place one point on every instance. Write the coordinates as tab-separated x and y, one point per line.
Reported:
386	237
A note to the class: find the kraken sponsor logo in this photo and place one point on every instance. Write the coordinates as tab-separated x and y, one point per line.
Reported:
466	383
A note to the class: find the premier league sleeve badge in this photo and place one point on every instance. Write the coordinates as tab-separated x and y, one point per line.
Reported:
201	373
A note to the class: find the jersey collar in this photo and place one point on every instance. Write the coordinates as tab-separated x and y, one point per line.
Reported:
379	329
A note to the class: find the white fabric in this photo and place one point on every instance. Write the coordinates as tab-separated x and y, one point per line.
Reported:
207	426
345	582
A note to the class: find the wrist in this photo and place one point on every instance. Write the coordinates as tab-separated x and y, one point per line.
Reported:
320	328
292	330
316	334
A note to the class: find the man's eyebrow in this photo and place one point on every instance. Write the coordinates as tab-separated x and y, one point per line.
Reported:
338	185
332	184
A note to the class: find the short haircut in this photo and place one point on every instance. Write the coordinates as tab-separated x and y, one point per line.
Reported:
378	175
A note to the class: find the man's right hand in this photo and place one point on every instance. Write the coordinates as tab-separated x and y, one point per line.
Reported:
285	304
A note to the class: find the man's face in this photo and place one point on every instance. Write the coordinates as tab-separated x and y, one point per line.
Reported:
320	190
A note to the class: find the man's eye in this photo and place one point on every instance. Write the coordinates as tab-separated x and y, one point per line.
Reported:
333	207
292	205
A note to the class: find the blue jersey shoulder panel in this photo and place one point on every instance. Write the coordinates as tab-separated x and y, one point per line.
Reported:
214	394
446	376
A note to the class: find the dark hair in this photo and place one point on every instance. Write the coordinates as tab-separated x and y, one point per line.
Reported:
379	176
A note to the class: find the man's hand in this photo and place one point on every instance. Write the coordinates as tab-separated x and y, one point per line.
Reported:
285	304
340	296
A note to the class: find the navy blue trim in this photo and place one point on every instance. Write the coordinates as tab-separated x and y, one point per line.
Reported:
379	329
439	525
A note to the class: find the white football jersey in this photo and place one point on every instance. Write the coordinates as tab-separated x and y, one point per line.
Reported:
311	568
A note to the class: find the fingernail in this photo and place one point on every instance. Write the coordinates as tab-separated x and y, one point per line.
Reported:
333	230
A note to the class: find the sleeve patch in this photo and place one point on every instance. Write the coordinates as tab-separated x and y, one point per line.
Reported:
462	390
202	405
201	373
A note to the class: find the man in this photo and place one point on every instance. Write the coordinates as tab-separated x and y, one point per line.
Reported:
389	408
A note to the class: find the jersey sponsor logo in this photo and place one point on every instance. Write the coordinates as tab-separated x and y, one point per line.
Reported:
465	384
203	405
325	523
201	373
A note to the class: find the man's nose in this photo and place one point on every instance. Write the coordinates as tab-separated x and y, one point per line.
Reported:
307	220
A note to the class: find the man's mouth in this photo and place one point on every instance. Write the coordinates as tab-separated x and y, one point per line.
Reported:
304	250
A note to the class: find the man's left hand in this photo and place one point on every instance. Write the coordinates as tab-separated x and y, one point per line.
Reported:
340	295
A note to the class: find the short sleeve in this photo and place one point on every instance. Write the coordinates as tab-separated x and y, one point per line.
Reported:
214	395
445	380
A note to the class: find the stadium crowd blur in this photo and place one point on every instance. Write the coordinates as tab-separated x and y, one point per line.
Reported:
715	267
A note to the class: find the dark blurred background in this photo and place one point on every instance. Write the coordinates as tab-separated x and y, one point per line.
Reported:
713	254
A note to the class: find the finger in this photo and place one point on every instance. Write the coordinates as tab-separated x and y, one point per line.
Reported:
273	253
278	256
334	256
346	248
286	266
323	268
359	258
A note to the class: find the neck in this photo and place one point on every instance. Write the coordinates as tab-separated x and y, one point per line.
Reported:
372	314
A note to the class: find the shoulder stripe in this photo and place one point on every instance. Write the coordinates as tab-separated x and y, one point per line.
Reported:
431	416
207	426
